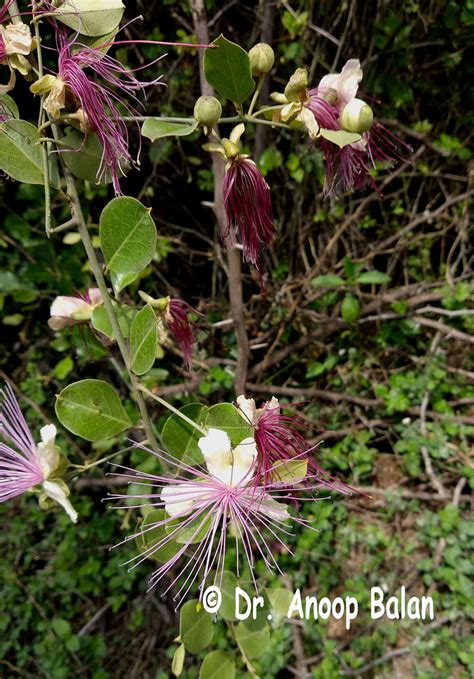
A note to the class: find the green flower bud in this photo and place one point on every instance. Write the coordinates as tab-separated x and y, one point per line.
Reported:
357	116
207	111
297	85
262	58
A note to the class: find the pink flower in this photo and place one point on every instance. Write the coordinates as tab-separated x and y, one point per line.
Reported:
335	106
25	464
75	309
248	207
181	327
206	506
99	105
278	441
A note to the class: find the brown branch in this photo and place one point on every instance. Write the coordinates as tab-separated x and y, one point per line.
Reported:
234	260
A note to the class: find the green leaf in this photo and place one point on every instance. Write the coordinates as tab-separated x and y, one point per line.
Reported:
91	17
253	643
350	308
20	154
374	277
196	628
340	137
178	660
101	322
8	106
289	470
154	535
9	282
217	665
95	42
225	416
227	68
63	367
85	158
92	410
280	600
143	339
127	235
61	627
200	523
327	281
122	280
227	586
180	438
154	128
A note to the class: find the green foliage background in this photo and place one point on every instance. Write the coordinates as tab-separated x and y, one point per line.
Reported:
363	367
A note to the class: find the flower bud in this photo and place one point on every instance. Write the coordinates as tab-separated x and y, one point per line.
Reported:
262	59
357	116
297	84
160	304
207	111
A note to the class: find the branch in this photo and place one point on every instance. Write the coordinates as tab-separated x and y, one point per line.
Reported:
234	261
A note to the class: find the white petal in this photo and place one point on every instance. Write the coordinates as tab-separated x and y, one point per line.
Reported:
95	296
69	307
247	409
179	500
215	447
48	454
58	494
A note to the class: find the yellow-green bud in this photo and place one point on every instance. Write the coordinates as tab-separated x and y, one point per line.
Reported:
262	58
297	85
231	149
44	85
160	304
357	116
207	111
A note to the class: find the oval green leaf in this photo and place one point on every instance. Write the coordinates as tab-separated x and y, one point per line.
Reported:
226	416
217	665
350	308
92	410
153	535
253	643
196	628
127	235
8	106
373	277
154	128
101	322
180	438
85	156
20	154
227	69
143	339
327	281
178	660
91	17
340	137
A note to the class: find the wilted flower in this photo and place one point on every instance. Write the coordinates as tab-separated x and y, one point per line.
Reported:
25	465
75	309
176	318
98	105
16	43
247	199
279	441
335	106
172	315
204	506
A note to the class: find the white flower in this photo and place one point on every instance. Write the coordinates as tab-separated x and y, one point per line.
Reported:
224	463
247	409
48	453
58	491
17	39
48	456
179	499
67	310
345	83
